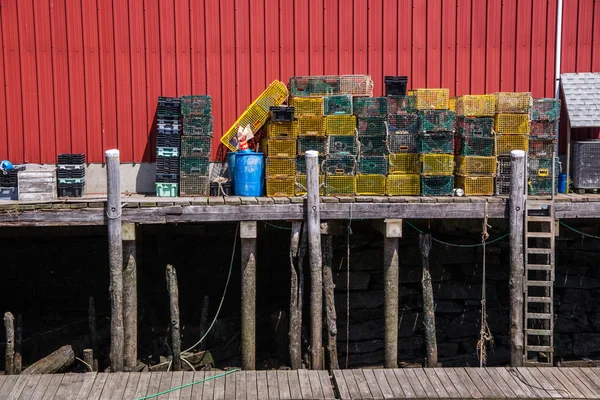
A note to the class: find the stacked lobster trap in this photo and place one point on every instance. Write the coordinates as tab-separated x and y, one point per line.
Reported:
544	116
168	141
475	145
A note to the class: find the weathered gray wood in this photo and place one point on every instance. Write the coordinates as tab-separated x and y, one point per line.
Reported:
446	383
577	383
9	355
109	386
305	388
294	383
436	383
93	330
315	385
251	385
362	384
129	296
328	292
489	382
262	385
340	384
313	218
428	302
515	283
18	344
119	390
175	382
326	384
53	386
372	384
405	384
584	374
197	390
558	385
142	387
497	379
186	393
284	386
173	289
517	386
468	383
220	389
240	385
425	383
132	384
53	362
229	386
248	300
397	392
351	384
88	359
273	385
295	300
524	375
154	383
165	384
40	388
455	380
390	277
30	385
478	382
18	387
115	251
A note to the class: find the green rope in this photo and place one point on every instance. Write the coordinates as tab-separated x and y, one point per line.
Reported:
576	231
458	245
278	227
210	378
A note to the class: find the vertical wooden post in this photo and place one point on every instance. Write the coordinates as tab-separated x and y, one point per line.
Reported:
115	253
19	344
9	357
204	319
93	330
329	292
130	297
174	308
313	216
517	269
295	327
248	235
88	358
428	303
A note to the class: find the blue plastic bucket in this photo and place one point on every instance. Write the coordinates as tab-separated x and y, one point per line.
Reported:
249	174
562	183
231	166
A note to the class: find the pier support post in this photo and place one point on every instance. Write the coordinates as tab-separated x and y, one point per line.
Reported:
9	357
428	303
313	217
298	235
329	293
248	235
130	296
115	253
515	283
173	288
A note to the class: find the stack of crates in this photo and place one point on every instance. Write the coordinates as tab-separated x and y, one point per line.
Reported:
475	145
511	125
435	142
280	147
544	116
9	184
403	159
168	140
196	145
71	175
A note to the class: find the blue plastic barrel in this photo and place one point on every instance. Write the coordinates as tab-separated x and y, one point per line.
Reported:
562	183
231	165
249	174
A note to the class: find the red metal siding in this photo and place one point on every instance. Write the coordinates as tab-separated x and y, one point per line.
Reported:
84	76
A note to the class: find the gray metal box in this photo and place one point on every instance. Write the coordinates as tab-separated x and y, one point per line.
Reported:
586	164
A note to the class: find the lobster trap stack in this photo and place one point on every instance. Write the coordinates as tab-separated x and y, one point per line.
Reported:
544	116
475	145
196	145
168	141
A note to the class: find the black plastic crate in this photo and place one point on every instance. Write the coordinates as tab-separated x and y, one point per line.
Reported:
72	159
167	178
71	190
395	85
70	173
168	139
167	165
281	113
225	189
9	193
10	178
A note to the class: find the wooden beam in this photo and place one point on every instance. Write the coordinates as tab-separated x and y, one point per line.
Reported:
515	283
248	230
389	228
130	296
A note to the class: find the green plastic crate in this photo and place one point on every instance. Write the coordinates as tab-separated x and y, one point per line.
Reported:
194	165
195	146
436	143
370	165
371	106
167	151
337	105
70	181
167	189
437	121
437	185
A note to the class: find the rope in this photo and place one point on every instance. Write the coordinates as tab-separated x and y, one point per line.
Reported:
581	233
220	180
485	335
459	245
210	378
278	227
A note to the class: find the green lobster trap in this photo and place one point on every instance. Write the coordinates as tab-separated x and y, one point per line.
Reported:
402	104
195	146
402	142
373	145
342	145
339	164
198	105
545	109
541	147
372	126
319	144
194	165
542	166
543	129
540	186
370	185
314	86
372	165
198	125
437	121
471	126
337	105
474	146
301	164
371	106
403	123
437	142
437	185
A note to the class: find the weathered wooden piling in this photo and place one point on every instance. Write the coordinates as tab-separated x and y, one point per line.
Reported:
88	359
329	290
9	355
515	282
204	318
93	330
130	297
295	328
115	252
248	236
173	289
19	344
428	303
316	263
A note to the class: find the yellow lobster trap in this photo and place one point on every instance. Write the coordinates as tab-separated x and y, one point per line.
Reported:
476	165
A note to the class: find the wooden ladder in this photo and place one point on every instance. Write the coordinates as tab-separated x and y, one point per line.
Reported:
538	283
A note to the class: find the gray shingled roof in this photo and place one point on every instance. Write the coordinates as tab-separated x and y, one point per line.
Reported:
582	99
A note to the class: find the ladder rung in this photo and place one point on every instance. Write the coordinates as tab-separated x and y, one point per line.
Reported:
538	283
538	267
538	316
539	348
530	363
539	251
546	235
539	332
539	299
540	218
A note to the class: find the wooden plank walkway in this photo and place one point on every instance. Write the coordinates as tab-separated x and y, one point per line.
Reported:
408	383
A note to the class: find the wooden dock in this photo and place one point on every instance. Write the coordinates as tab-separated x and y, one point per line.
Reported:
407	383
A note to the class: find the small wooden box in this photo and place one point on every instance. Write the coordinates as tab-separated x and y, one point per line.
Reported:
37	185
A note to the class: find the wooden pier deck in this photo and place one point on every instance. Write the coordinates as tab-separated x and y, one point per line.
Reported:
407	383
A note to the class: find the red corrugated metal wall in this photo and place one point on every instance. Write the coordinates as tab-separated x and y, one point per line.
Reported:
83	76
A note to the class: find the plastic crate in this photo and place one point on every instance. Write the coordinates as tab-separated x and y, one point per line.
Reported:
338	164
9	193
403	185
281	113
199	105
474	146
511	124
167	178
194	165
403	123
542	147
10	178
509	102
370	185
373	145
274	95
281	187
370	106
301	164
300	189
167	151
282	130
194	125
356	85
70	190
340	125
220	189
253	116
311	126
304	107
437	121
402	142
68	173
169	129
372	165
539	186
507	143
167	165
194	185
483	105
452	104
168	140
337	105
432	99
280	167
543	129
317	143
436	164
71	159
545	109
473	126
372	126
167	189
406	163
476	185
340	185
476	166
402	104
195	146
71	181
542	166
437	185
281	148
168	106
342	145
437	142
395	85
